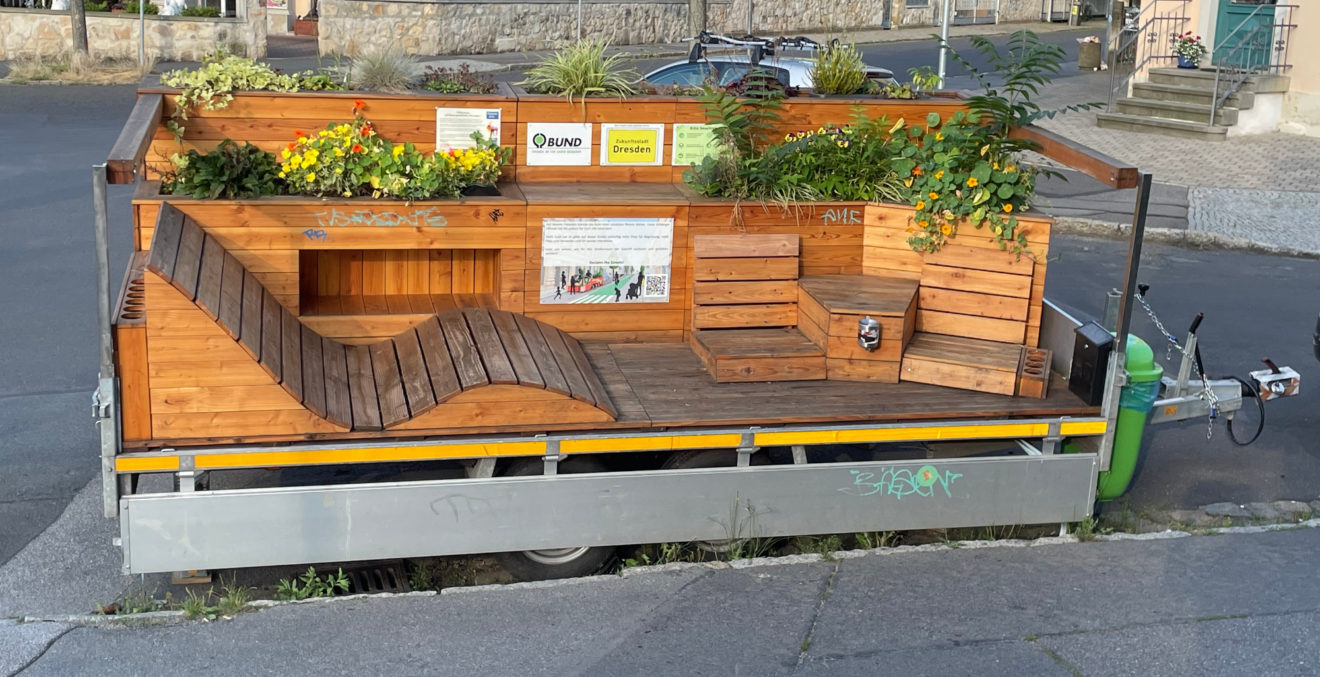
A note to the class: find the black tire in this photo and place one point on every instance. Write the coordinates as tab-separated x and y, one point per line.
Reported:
544	565
710	458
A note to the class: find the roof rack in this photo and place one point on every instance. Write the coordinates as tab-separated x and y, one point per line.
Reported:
757	47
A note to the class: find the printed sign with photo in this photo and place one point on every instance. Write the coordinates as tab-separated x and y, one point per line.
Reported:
454	126
606	260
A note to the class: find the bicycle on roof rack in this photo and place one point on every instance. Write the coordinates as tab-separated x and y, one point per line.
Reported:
757	47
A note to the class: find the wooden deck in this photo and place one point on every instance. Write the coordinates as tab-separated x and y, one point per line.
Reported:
665	385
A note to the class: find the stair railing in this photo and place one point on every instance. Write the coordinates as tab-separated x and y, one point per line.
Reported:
1143	41
1251	47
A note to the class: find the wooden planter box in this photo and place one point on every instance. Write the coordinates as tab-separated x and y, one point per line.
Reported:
268	120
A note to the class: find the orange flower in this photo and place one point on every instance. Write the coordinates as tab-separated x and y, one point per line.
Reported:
916	171
292	146
934	195
298	133
946	229
1008	207
971	183
358	104
357	148
366	130
923	223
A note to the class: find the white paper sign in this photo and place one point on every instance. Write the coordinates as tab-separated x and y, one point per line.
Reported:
558	144
619	260
454	126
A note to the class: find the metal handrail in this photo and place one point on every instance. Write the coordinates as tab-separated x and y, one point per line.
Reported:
1151	30
1248	45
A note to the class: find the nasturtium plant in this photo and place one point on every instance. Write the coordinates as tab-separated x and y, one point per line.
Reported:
228	172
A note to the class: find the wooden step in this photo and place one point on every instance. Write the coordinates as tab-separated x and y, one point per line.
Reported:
747	355
964	363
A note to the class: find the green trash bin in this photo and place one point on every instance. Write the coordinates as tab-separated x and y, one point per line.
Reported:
1134	405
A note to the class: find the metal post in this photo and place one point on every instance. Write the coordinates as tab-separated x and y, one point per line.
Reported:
579	19
1113	301
142	33
944	39
886	22
106	409
1116	377
751	7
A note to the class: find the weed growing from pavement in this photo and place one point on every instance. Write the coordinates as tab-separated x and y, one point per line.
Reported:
869	540
309	584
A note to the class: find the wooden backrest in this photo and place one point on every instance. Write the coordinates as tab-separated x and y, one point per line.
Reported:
741	281
975	292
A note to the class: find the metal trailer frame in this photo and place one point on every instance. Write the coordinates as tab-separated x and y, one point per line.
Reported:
194	528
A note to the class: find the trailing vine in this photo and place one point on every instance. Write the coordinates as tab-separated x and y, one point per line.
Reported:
212	85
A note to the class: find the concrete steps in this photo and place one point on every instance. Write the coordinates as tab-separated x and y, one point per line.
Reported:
1177	110
1163	126
1185	94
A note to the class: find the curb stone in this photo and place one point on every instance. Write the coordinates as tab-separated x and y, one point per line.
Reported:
1174	236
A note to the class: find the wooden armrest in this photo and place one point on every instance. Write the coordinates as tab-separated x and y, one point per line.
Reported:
131	146
1089	161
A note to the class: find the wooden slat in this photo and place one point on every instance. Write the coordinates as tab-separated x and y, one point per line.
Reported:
551	375
986	328
363	399
231	296
751	315
751	291
209	278
338	409
577	384
781	268
520	356
389	384
271	341
444	379
745	246
978	258
188	263
860	294
131	146
965	351
165	241
1111	171
589	374
413	373
971	303
249	335
981	281
313	373
463	350
498	368
132	363
291	354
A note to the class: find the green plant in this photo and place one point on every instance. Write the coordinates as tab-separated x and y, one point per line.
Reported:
457	81
921	80
825	546
212	12
838	70
309	584
423	576
90	6
1188	46
745	540
195	606
211	86
581	70
228	172
1088	530
132	7
384	69
870	540
234	598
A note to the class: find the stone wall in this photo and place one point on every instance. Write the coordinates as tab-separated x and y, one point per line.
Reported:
32	33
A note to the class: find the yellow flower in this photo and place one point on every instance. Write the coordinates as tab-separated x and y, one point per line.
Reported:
1010	169
281	175
375	181
921	204
1008	207
946	229
994	165
339	152
939	136
939	174
398	150
971	183
934	195
285	153
788	136
999	230
907	182
923	223
310	177
348	193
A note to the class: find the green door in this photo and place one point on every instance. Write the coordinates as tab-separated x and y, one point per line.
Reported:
1244	33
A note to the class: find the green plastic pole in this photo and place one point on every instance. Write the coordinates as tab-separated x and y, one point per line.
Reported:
1133	408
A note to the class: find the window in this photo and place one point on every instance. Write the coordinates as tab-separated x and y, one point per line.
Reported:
916	3
683	75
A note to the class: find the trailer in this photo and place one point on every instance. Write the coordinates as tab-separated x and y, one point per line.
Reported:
301	380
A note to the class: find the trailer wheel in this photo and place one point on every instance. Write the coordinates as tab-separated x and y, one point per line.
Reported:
711	458
542	565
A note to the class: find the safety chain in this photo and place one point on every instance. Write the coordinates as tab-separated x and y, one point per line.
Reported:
1207	393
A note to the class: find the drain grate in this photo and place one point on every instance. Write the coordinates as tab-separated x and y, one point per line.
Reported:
377	577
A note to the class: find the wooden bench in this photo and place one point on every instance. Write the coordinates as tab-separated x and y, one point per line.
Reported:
745	310
829	309
375	386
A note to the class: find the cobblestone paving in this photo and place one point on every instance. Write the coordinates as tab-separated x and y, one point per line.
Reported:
1275	218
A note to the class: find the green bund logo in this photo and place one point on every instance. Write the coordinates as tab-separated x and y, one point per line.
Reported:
539	140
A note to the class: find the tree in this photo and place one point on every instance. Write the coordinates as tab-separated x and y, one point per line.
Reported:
78	20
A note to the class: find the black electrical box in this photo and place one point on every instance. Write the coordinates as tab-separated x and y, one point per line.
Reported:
1090	358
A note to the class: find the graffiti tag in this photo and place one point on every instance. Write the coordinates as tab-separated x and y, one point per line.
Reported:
842	215
315	234
422	217
902	482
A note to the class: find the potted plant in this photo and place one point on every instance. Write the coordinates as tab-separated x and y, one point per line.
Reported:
1189	49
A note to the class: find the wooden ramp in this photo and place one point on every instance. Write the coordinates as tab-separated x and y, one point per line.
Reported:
376	386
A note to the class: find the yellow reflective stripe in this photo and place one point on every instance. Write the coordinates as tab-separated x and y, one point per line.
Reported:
146	463
652	443
1084	427
368	454
951	432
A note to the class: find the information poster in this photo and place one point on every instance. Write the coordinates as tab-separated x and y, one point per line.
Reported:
632	144
558	144
454	126
693	143
606	260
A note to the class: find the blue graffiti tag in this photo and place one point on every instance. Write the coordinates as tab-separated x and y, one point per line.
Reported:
316	234
422	217
900	482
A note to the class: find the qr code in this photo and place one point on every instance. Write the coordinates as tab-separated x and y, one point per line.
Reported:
657	285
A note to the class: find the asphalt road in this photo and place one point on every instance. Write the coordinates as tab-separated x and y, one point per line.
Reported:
1256	305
